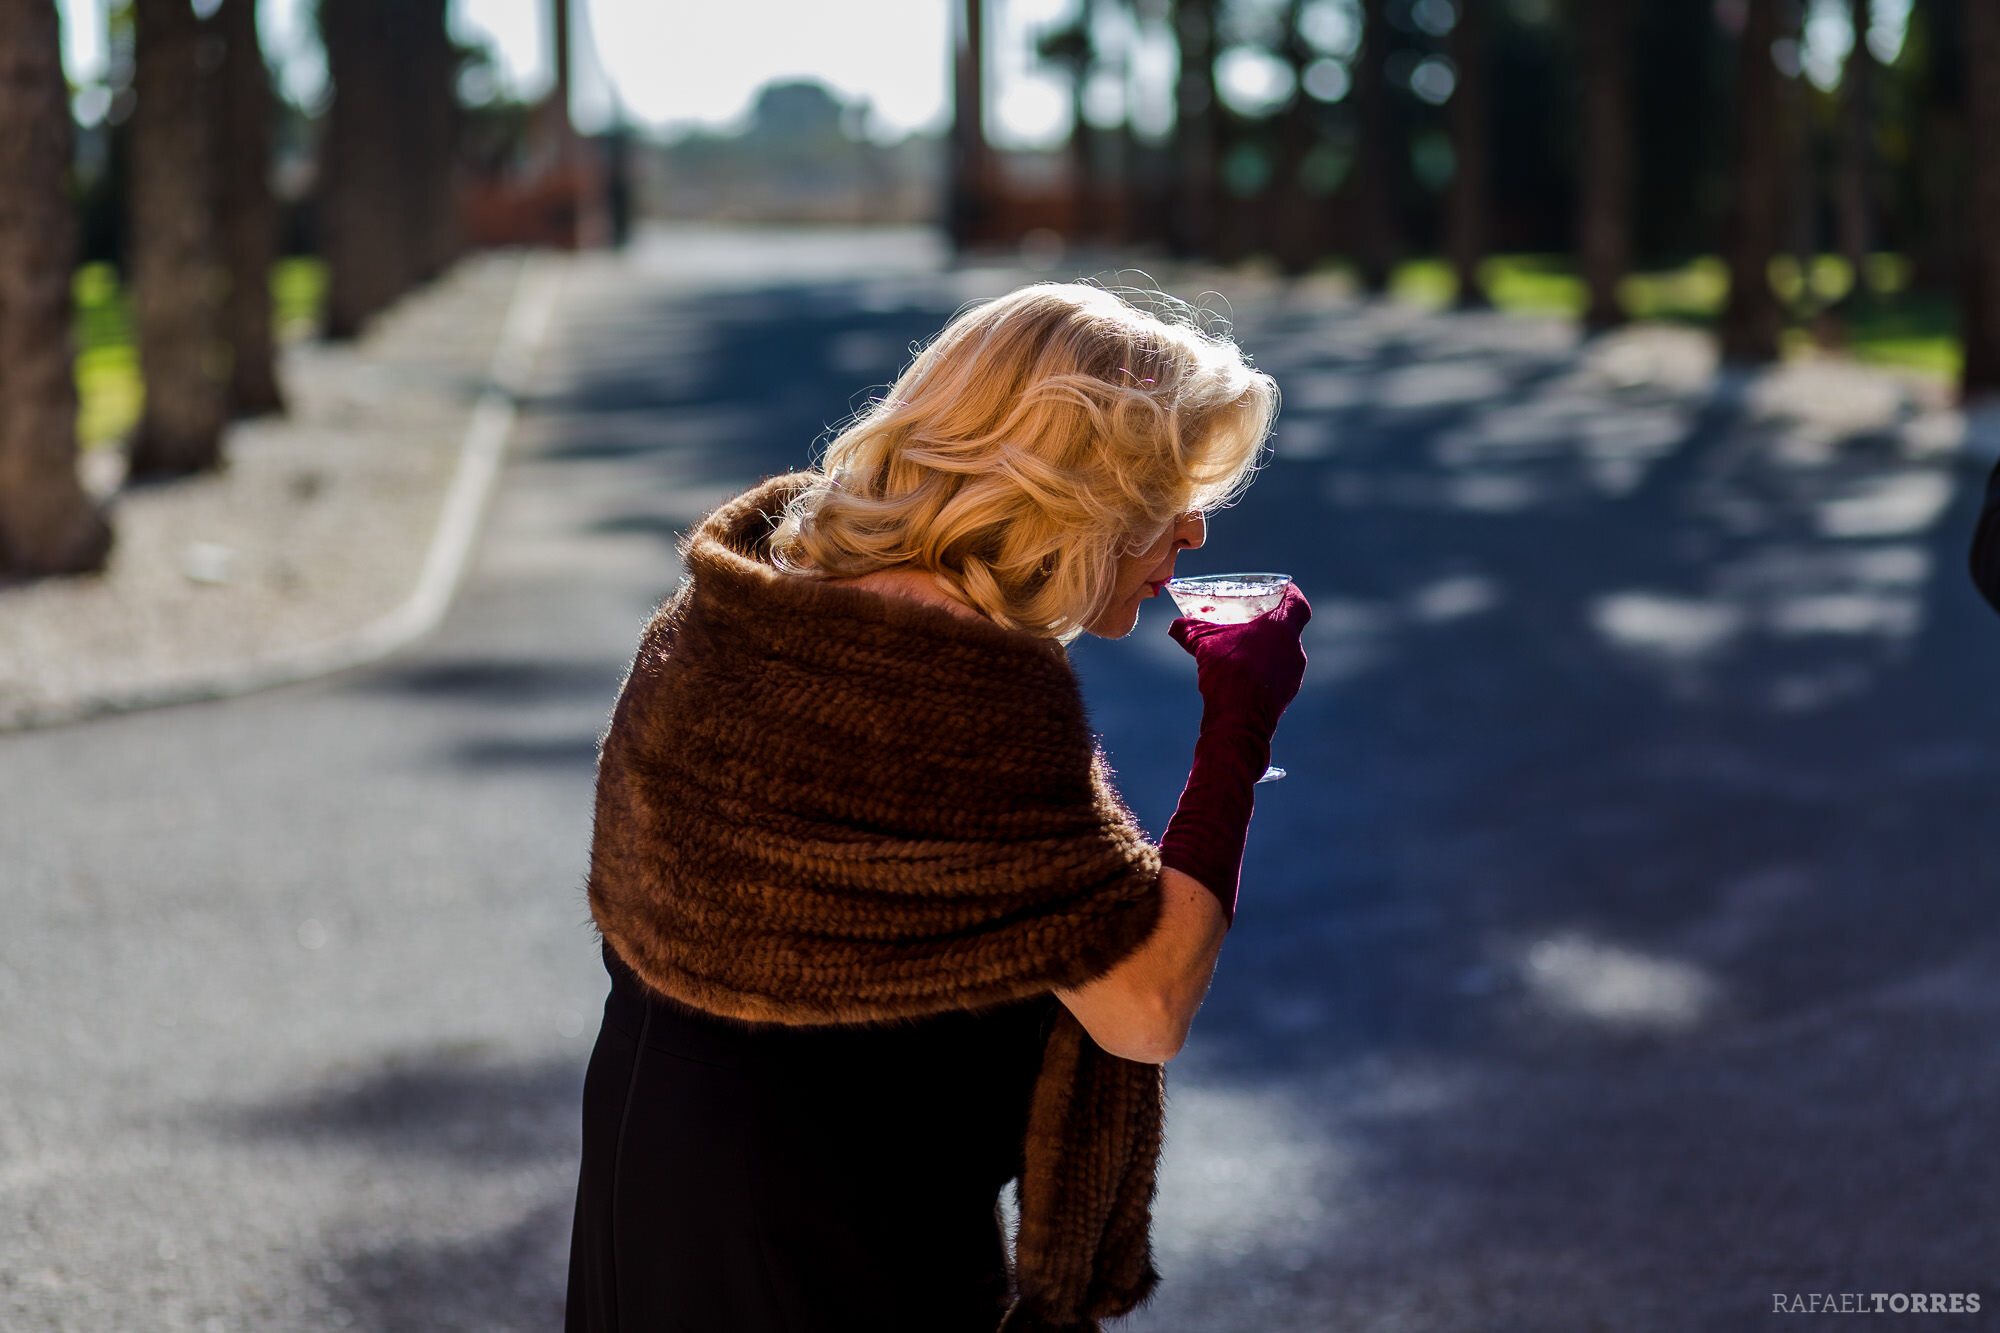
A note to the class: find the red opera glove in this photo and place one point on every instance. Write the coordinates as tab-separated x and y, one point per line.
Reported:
1247	675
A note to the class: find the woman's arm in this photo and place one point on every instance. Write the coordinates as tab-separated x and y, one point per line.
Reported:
1142	1008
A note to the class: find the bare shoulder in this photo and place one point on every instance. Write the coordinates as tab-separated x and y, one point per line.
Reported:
913	585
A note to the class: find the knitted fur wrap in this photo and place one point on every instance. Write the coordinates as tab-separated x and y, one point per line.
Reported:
819	805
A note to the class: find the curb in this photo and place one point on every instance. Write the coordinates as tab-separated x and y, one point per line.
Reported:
537	291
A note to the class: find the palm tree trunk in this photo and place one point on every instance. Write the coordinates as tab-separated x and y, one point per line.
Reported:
1375	191
365	243
1798	150
1604	220
1752	320
177	278
246	213
1982	270
427	66
1852	195
47	524
969	202
1086	210
1197	138
1293	232
1466	227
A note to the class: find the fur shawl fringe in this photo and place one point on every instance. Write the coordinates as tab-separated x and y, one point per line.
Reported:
819	805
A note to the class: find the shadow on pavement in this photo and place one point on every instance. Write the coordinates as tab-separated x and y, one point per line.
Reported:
509	1281
1621	948
447	1104
487	681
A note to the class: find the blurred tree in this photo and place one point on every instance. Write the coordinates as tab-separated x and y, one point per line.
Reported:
1295	233
1981	287
1468	204
1071	47
1853	196
177	277
246	213
47	523
1798	148
362	181
1752	320
1197	131
1374	186
1932	145
429	64
1604	221
1679	106
968	206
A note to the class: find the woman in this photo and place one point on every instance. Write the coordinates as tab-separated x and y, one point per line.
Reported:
882	936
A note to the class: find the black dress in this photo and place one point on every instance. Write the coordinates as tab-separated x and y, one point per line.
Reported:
741	1179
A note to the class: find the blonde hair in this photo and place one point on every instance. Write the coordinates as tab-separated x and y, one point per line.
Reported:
1034	441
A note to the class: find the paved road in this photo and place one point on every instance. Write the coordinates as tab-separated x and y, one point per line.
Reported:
1620	952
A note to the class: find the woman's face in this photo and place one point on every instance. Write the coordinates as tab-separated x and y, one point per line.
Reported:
1143	573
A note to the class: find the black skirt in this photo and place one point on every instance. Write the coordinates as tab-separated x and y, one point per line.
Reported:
760	1179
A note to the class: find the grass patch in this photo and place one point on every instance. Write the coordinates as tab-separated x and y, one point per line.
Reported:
1533	284
298	296
1889	325
1913	330
110	390
1425	282
109	394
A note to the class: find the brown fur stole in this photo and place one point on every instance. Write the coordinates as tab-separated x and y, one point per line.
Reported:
816	804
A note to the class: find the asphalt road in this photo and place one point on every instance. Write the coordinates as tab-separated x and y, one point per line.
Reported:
1620	952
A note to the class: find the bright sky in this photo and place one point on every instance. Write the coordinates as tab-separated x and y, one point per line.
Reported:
675	63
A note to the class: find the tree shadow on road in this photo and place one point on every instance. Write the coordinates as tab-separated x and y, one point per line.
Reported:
1619	950
510	1280
466	1141
450	1104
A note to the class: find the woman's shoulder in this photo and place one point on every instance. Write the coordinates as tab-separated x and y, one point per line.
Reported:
909	584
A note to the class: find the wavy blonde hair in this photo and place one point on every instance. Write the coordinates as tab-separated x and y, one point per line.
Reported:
1034	441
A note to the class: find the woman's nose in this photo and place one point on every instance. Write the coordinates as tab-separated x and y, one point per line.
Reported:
1191	532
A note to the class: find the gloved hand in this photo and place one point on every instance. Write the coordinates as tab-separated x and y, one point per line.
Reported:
1247	675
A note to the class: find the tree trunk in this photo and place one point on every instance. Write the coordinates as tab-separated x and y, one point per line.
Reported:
1797	148
426	66
1197	141
47	524
1752	320
1467	227
1604	220
559	28
1294	235
1982	267
970	203
1375	191
367	256
1086	217
1853	197
246	214
177	277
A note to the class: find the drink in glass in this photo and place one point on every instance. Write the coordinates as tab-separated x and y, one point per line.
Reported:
1231	599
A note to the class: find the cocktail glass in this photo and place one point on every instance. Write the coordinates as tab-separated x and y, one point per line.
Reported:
1231	599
